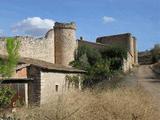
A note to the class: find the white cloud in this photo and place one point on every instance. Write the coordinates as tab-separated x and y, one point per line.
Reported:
35	26
108	19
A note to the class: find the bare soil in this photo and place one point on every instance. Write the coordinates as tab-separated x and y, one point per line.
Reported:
144	76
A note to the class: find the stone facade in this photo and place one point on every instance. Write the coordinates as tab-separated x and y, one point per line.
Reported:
98	46
46	84
37	48
57	84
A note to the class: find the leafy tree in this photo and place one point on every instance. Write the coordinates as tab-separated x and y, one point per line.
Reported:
155	54
81	62
99	65
92	54
115	54
7	66
98	72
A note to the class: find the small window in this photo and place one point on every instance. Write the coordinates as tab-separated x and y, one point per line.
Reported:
56	88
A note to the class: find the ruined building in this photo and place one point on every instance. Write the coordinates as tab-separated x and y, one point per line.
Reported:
125	40
44	63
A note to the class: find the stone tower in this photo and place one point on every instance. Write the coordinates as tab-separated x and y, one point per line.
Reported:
65	42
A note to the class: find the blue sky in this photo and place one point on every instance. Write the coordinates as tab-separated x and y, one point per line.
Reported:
93	18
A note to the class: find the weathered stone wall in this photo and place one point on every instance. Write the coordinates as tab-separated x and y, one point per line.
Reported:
34	87
91	44
119	40
36	48
126	41
127	63
65	43
49	80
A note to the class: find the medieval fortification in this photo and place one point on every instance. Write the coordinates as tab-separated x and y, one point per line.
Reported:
59	44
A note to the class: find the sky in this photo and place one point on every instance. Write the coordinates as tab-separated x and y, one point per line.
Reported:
93	18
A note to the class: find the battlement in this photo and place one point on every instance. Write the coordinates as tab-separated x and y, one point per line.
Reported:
70	25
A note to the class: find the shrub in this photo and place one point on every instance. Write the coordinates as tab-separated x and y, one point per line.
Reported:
114	52
98	72
115	55
155	54
81	62
73	80
99	65
92	54
6	94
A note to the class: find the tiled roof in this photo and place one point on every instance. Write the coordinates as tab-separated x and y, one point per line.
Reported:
44	65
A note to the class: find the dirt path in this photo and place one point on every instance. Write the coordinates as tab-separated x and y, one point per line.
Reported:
144	77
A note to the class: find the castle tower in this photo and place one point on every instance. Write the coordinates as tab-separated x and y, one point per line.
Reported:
65	42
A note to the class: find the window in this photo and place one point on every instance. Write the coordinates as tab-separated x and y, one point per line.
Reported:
56	88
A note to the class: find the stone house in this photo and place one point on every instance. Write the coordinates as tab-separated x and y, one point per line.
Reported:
37	81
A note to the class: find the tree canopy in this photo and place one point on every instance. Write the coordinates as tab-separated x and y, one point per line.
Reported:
99	64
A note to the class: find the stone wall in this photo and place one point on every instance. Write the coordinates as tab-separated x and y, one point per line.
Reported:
34	87
91	44
119	40
49	81
36	48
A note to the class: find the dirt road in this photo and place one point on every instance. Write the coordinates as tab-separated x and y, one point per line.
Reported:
146	78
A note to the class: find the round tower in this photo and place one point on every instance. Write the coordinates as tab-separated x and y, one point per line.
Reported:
65	42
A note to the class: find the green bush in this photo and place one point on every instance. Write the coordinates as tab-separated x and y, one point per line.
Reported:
92	54
99	65
114	52
155	55
6	94
73	80
98	72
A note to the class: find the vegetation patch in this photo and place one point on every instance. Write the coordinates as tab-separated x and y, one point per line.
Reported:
100	65
121	103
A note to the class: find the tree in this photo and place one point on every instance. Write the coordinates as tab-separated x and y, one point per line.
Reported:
99	65
8	65
98	72
85	57
155	52
115	54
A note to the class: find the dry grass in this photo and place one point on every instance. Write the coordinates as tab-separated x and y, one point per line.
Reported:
112	104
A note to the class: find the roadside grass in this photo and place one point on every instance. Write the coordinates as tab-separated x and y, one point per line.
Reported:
109	100
121	103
